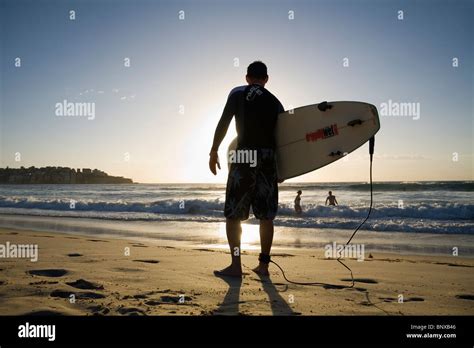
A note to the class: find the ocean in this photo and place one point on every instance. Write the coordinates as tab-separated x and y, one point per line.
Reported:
423	211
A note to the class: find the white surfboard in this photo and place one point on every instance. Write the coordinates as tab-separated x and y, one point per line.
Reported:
310	137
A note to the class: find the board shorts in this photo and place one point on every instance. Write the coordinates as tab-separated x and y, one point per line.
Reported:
253	186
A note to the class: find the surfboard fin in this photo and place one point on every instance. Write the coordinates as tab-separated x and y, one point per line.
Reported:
324	106
354	122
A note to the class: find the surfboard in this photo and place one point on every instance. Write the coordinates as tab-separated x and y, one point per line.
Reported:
313	136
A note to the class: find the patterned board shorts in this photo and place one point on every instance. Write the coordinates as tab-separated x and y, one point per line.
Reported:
253	186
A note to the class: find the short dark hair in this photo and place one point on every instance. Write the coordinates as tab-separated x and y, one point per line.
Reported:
257	70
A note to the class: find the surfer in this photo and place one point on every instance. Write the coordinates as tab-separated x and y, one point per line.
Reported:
255	110
298	209
332	199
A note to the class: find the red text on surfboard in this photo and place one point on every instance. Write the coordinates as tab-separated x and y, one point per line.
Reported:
322	133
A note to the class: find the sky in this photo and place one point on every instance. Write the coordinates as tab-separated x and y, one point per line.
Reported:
159	81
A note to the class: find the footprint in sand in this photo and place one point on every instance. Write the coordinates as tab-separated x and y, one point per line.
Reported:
136	297
206	250
388	299
97	240
140	296
175	299
169	300
465	297
414	299
147	295
131	311
123	269
147	261
138	245
408	299
98	310
78	295
74	255
360	289
43	282
85	285
361	280
341	287
333	286
451	264
49	272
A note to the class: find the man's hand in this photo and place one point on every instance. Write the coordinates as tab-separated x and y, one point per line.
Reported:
213	160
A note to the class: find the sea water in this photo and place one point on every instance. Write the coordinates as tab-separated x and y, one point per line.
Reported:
435	215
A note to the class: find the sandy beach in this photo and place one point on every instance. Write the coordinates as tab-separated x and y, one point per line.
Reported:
123	277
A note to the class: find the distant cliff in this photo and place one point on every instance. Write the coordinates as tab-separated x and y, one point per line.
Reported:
58	175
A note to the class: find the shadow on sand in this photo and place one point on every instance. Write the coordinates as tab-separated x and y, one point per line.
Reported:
231	301
278	305
230	304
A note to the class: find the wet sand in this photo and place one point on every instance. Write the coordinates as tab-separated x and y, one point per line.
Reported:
82	275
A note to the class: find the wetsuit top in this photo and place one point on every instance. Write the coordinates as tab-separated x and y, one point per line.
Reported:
256	111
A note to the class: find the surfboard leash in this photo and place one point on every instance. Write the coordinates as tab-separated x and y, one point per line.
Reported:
371	153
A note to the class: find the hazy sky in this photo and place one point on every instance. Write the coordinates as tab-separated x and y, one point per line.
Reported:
154	120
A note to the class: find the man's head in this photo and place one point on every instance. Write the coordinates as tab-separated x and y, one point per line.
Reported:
330	193
299	192
257	73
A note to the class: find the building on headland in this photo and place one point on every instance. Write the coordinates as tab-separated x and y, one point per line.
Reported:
58	175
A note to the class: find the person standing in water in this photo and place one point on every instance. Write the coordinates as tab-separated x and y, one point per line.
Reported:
256	111
298	209
332	199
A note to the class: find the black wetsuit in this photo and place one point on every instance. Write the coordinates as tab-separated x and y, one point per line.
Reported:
256	111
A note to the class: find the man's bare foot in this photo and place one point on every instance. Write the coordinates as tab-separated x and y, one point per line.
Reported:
230	271
262	269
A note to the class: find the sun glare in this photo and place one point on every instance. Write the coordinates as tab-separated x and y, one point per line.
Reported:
250	236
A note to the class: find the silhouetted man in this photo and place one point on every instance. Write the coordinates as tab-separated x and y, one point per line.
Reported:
256	111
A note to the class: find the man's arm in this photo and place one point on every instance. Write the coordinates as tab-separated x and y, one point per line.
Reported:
221	130
326	203
223	125
335	201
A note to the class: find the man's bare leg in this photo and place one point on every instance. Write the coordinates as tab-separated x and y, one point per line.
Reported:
234	234
266	240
